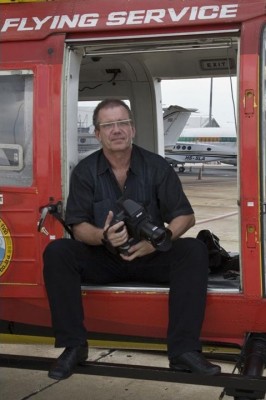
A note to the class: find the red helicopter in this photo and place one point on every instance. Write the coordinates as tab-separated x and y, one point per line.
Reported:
58	55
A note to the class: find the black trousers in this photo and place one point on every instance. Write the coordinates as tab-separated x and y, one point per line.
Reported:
68	263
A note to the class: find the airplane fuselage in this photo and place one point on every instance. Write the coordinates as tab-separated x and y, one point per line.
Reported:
200	145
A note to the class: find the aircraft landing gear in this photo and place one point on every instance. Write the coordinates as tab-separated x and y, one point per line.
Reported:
252	365
174	164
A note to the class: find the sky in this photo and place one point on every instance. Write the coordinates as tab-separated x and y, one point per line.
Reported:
195	93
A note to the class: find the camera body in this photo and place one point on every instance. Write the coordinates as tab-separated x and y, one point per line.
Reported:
139	226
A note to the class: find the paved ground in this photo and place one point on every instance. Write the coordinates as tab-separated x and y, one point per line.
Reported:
213	194
17	384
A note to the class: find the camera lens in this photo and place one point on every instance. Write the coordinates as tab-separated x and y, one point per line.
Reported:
160	238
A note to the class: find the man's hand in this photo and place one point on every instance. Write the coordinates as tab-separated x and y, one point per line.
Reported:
117	233
140	249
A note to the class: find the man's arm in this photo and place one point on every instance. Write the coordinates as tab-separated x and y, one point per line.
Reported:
178	226
181	224
88	233
91	235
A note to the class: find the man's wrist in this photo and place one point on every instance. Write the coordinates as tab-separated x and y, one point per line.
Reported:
106	242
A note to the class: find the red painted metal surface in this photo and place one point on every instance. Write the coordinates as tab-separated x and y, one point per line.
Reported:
23	298
38	20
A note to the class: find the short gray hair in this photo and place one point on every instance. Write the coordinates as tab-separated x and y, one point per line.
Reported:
109	103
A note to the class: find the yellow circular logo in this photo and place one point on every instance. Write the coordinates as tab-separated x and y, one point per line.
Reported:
6	247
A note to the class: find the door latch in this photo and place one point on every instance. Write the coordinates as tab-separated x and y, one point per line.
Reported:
56	210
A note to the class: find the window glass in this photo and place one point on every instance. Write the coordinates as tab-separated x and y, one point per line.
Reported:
16	99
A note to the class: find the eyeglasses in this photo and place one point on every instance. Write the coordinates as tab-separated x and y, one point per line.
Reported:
108	126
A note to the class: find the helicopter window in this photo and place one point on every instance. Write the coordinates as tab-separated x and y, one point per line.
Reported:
16	128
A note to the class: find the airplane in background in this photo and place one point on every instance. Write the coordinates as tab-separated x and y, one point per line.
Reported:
201	144
175	119
183	142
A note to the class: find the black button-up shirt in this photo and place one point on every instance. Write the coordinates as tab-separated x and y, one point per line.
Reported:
151	182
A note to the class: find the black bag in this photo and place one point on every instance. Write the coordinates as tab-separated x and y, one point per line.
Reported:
219	259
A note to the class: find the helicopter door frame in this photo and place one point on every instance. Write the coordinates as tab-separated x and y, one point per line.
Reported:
69	143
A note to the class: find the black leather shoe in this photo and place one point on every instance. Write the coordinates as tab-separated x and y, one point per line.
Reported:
66	362
194	361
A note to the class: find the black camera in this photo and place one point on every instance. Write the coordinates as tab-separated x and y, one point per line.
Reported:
139	226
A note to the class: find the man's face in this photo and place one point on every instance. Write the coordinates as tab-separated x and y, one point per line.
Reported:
115	130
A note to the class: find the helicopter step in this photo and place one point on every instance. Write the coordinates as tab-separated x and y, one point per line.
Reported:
241	386
251	364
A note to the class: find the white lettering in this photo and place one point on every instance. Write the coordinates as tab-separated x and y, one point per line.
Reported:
9	23
22	25
177	17
55	22
154	15
204	12
116	18
135	17
229	11
208	12
65	20
193	13
39	22
87	20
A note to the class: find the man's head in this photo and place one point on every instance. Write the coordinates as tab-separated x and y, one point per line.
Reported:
109	103
114	127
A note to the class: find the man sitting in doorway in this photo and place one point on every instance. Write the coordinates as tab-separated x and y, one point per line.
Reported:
123	170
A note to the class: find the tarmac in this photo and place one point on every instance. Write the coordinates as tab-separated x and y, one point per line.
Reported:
21	384
213	194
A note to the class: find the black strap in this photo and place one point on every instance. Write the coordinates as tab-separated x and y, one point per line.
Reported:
56	211
62	222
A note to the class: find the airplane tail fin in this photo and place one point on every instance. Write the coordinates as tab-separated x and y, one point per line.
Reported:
174	120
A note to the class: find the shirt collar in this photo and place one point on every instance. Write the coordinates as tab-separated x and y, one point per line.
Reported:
134	162
103	165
